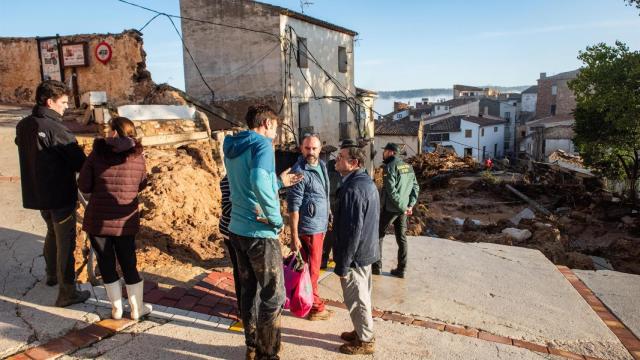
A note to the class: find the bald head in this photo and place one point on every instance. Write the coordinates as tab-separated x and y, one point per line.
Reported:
310	148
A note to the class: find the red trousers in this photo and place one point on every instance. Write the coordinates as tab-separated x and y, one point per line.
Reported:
312	248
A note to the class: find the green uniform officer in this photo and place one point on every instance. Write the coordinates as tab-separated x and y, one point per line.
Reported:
399	194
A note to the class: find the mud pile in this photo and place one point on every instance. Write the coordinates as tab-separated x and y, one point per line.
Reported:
181	207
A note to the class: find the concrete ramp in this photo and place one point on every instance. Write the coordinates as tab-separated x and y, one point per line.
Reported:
508	291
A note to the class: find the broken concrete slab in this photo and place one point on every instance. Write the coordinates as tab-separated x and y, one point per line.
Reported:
524	214
618	291
156	112
517	234
504	290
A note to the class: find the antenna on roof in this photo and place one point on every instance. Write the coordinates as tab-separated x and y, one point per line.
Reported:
303	4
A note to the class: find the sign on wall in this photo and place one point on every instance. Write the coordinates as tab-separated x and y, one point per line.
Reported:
103	52
74	54
50	63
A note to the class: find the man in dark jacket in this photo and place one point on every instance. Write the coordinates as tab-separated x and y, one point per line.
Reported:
399	194
356	246
308	206
49	159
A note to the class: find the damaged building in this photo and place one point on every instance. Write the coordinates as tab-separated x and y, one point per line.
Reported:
299	65
25	62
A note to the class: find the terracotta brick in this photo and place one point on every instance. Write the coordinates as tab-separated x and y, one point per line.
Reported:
213	281
176	293
494	338
80	339
196	292
429	324
531	346
187	302
115	325
97	331
168	302
397	318
20	356
201	309
209	300
377	313
459	330
566	354
621	332
150	285
216	276
51	350
635	354
630	342
234	317
334	303
154	296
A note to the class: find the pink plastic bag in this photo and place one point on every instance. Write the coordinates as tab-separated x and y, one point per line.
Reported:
297	283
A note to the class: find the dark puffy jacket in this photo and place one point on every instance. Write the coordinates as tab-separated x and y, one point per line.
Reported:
114	173
310	197
49	159
356	223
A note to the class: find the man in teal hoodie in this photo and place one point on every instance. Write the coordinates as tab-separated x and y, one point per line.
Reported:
254	228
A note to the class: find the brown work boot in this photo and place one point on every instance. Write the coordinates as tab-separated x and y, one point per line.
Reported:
320	315
358	347
69	295
349	336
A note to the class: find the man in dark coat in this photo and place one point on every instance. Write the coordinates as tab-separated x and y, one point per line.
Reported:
49	159
356	246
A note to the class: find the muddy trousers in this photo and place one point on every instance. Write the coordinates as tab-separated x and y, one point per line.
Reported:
260	263
59	244
399	221
121	248
356	288
236	275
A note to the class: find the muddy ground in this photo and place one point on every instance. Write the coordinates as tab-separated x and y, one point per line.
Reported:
465	203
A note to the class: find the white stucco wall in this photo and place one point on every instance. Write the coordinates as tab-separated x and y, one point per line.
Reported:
323	44
459	142
411	146
470	109
529	102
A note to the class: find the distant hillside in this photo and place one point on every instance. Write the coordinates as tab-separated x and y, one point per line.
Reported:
399	94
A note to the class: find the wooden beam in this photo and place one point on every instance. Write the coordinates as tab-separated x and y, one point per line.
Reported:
173	138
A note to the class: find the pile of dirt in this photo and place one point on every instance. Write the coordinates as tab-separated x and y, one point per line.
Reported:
428	165
181	207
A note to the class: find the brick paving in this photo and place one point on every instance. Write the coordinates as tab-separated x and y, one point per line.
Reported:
626	337
213	299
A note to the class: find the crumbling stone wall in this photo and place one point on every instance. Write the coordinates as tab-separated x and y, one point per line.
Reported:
124	78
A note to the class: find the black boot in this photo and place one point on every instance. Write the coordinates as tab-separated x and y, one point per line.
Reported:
69	295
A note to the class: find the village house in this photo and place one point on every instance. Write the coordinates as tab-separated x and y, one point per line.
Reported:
457	106
465	91
405	132
476	136
529	99
552	127
299	65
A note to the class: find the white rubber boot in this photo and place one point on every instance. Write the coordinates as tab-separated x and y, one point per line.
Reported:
138	308
114	293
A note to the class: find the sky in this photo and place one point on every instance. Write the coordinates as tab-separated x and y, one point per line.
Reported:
402	44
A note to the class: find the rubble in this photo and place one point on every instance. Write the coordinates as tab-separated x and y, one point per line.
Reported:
460	202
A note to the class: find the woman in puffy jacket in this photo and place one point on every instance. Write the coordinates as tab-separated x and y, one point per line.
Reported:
114	173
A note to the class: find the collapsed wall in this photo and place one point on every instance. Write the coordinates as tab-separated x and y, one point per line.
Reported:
124	78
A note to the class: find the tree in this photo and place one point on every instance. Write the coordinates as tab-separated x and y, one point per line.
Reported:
635	3
607	113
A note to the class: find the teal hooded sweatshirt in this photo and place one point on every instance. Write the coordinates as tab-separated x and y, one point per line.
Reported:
251	168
